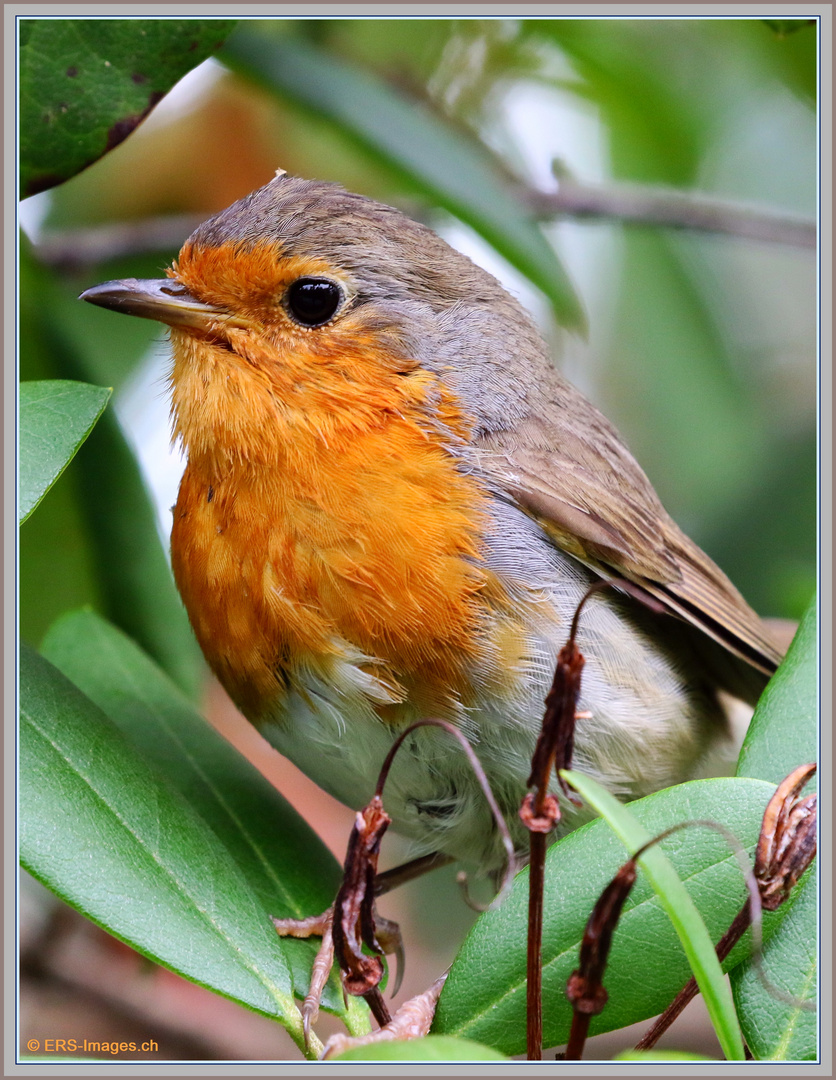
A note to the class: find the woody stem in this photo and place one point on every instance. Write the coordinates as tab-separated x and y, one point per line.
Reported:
577	1036
375	1001
534	968
647	205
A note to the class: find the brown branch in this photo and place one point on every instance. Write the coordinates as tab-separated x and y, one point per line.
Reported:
387	880
534	959
640	205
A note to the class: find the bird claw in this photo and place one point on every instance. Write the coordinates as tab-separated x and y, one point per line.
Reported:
388	936
411	1021
312	926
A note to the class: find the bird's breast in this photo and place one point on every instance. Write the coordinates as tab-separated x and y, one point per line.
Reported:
371	545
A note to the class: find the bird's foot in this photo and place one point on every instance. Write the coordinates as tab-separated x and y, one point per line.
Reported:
411	1021
313	926
386	933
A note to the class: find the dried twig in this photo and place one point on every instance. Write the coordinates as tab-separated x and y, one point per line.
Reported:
585	988
355	921
73	250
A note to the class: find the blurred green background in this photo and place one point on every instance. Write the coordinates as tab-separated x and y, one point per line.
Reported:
700	347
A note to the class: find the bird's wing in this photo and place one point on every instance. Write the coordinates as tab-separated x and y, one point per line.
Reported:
566	466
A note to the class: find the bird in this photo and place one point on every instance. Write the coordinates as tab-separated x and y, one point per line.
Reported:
393	503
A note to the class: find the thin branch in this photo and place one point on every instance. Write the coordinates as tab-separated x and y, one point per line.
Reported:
72	250
76	249
645	205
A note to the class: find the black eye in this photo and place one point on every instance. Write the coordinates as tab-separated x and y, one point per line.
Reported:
313	301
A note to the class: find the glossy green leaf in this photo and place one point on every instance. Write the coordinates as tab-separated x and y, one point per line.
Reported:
784	730
55	564
484	998
782	735
286	865
794	56
85	84
431	1048
56	416
445	164
114	839
680	909
776	1029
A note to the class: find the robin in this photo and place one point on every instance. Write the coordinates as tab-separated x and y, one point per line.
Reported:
391	507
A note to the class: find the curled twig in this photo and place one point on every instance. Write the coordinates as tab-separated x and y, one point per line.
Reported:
355	921
585	987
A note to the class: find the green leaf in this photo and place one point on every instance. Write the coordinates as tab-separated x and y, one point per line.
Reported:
111	837
55	564
286	865
443	162
679	906
777	1030
655	117
784	730
56	416
431	1048
484	997
133	572
85	84
782	735
793	56
657	1056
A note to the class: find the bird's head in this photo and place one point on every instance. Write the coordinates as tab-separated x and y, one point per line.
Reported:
322	301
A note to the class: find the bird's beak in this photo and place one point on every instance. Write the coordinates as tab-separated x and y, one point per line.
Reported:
161	299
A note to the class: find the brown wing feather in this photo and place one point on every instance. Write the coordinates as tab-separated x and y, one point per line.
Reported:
567	467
